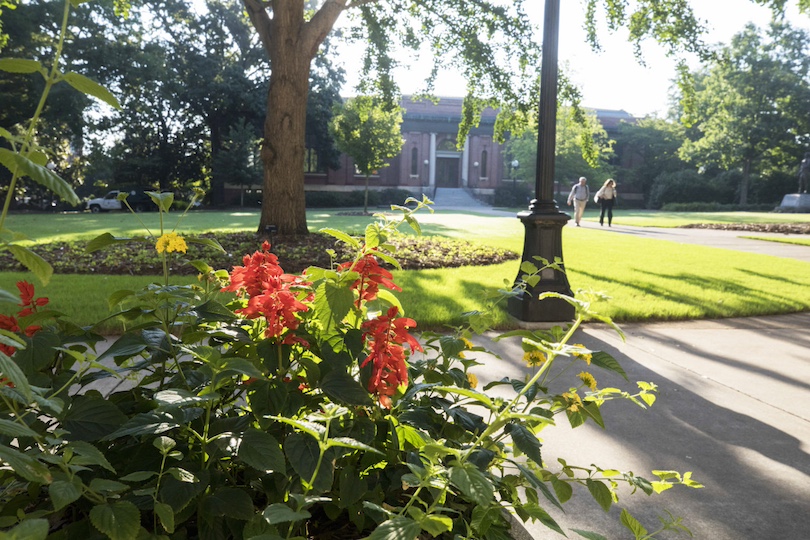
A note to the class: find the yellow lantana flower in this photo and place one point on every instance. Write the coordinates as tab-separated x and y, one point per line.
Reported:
171	242
584	354
534	358
468	343
587	379
572	400
473	380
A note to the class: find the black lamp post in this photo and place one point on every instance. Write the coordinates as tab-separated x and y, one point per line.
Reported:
544	221
515	165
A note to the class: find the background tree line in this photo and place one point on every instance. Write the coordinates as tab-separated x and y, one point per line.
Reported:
192	85
194	89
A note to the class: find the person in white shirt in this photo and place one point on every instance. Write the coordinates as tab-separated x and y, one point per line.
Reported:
579	198
606	196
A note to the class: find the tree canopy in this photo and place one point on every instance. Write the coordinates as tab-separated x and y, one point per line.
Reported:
369	133
751	105
491	43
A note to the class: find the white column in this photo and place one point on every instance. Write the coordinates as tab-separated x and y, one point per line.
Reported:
465	163
432	159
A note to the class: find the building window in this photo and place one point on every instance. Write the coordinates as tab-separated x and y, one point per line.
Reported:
448	145
312	163
483	164
414	162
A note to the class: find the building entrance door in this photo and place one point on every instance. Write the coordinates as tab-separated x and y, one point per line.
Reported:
447	172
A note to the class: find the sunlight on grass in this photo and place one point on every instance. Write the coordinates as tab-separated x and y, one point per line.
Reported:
795	240
647	279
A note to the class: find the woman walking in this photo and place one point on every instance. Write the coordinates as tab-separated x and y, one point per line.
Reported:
606	196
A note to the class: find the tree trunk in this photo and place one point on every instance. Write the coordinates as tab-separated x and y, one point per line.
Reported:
365	201
290	43
746	178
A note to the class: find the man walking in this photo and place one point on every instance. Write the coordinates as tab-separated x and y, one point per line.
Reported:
579	198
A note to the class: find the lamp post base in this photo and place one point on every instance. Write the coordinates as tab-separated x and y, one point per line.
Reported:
543	222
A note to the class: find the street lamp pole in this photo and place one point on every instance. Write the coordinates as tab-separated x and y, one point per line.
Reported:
543	221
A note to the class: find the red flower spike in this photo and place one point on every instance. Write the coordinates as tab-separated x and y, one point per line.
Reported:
386	336
372	275
29	306
270	293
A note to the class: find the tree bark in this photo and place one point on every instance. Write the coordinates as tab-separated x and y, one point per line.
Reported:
291	44
744	183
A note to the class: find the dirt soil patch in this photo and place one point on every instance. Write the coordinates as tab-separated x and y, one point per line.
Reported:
784	228
295	253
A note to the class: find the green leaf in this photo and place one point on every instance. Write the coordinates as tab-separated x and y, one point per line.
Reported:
601	493
63	493
332	303
16	429
120	520
126	346
262	451
209	242
163	199
281	513
632	523
92	418
302	452
182	475
166	515
346	442
436	524
342	236
12	372
606	361
525	441
399	528
373	238
87	454
138	476
20	65
104	240
467	392
103	485
91	87
229	502
563	490
344	389
538	484
39	174
589	535
36	264
25	465
7	337
30	529
472	483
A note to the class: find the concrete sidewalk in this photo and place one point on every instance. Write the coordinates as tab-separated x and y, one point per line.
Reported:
733	408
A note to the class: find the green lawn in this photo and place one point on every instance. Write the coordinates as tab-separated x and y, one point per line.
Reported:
647	279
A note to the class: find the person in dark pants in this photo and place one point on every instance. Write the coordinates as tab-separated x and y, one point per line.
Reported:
606	196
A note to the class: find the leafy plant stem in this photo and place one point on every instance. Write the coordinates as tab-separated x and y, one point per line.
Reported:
501	417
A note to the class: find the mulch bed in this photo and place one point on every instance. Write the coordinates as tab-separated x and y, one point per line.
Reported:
784	228
295	253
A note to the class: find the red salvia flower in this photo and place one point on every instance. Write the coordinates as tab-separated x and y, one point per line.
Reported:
385	337
372	275
270	293
29	306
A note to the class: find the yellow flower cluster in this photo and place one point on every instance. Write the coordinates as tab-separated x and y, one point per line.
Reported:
584	354
473	380
171	242
468	343
587	379
534	358
572	400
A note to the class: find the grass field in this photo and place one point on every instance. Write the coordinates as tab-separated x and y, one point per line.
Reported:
647	279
